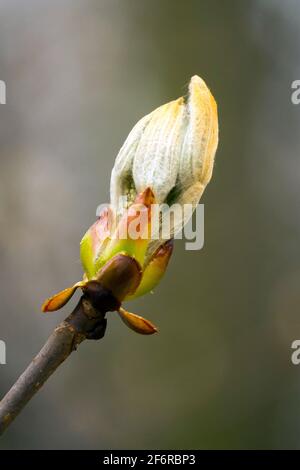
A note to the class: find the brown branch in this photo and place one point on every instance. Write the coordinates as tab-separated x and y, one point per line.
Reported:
87	321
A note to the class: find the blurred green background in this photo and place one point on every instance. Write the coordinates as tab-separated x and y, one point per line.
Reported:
79	74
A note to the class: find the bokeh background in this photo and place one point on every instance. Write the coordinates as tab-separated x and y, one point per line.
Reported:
79	74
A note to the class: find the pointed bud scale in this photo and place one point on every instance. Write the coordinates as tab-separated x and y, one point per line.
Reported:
60	299
154	271
133	231
136	323
94	242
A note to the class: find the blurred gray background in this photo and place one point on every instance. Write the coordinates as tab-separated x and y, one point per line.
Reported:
79	74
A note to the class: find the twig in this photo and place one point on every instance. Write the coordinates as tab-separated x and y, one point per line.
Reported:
87	321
